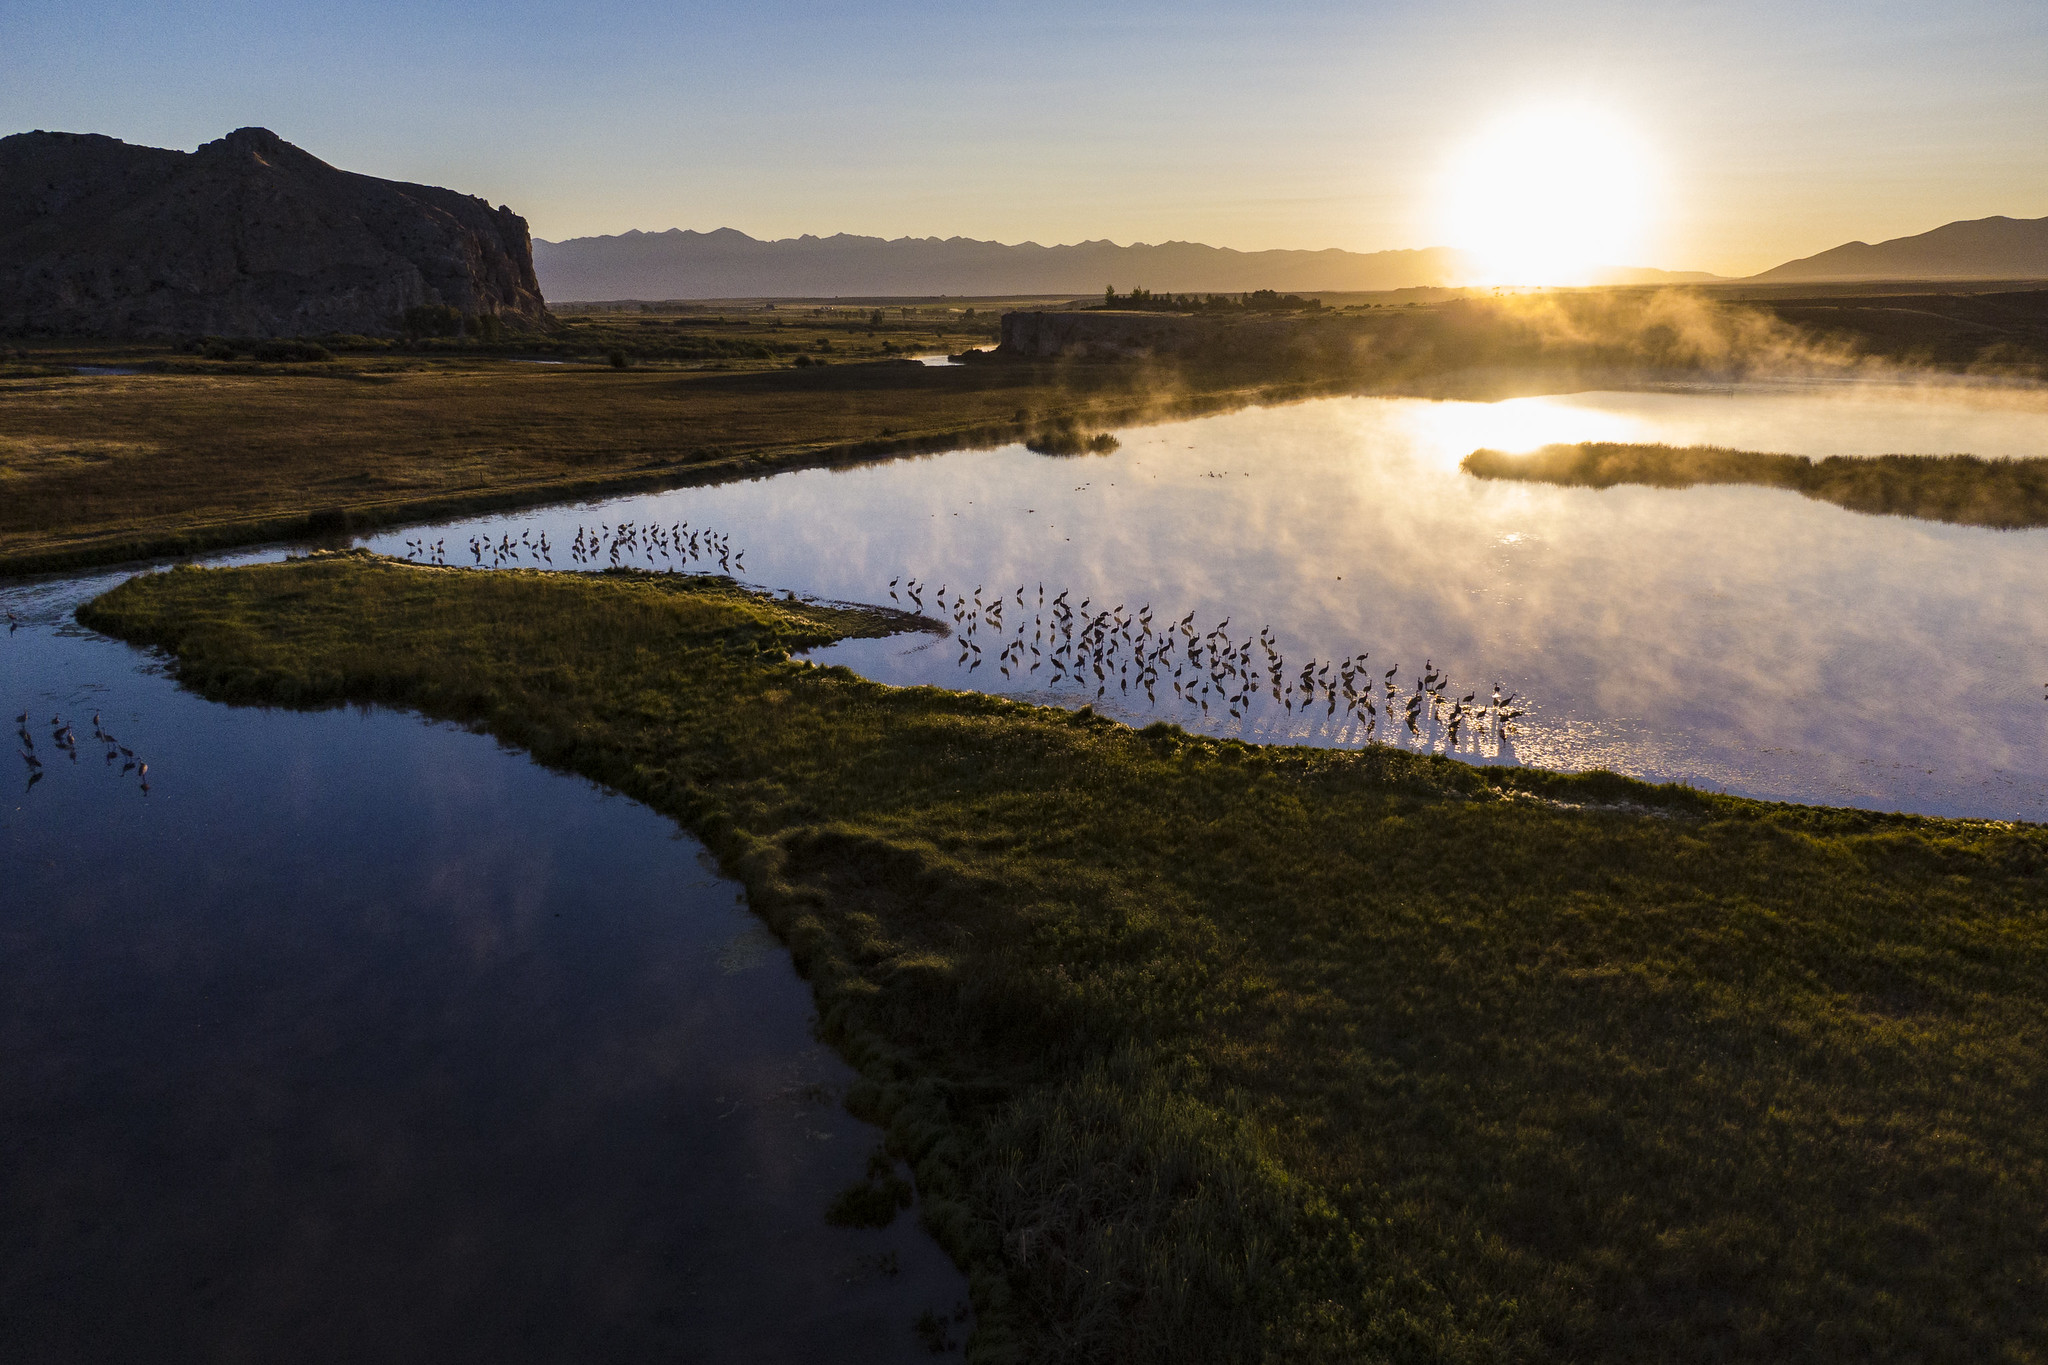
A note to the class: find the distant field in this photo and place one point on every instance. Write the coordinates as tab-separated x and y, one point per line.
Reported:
98	468
212	444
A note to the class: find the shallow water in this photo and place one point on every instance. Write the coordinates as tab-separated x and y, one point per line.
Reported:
1738	639
359	1038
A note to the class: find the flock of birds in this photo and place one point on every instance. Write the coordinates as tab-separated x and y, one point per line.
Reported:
625	545
1213	672
65	741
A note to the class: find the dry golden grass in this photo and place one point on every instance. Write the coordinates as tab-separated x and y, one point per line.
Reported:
100	468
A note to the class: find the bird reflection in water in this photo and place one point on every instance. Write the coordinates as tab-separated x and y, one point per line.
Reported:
1214	678
1207	675
64	741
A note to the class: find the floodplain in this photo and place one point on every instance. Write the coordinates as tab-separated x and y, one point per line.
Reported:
1224	1000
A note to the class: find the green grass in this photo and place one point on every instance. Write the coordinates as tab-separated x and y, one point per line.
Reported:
1206	1052
1963	489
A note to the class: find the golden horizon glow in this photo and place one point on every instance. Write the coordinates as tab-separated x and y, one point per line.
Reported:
1548	196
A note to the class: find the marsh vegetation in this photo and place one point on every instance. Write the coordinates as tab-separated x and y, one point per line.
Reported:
1206	1051
1964	490
101	468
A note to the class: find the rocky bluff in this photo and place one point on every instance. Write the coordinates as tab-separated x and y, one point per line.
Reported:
247	236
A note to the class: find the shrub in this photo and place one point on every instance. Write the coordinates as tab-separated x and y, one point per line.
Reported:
1070	440
617	358
286	350
873	1202
432	320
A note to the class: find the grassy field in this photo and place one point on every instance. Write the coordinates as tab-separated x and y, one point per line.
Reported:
102	468
760	336
1206	1052
1963	489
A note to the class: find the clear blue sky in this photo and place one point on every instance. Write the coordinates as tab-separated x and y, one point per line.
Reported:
1783	127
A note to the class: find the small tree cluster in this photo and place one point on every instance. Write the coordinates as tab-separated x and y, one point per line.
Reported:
1257	301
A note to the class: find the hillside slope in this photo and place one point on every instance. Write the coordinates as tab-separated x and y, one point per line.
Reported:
1979	249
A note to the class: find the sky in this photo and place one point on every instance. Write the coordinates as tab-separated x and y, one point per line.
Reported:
1762	131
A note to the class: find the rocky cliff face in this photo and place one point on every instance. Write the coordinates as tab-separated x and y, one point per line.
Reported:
1115	334
247	236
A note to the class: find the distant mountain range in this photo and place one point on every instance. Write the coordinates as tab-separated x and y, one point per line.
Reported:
727	264
1980	249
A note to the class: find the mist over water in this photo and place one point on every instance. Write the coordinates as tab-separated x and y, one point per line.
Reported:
1735	638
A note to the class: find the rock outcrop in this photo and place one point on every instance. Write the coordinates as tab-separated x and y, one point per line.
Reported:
1101	334
247	236
1114	334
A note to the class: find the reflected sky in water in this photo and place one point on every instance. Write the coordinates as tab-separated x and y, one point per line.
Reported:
1735	638
356	1038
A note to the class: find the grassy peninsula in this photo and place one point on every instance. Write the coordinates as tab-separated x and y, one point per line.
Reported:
1962	489
1207	1052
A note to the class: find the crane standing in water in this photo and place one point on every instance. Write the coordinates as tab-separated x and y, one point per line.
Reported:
1171	663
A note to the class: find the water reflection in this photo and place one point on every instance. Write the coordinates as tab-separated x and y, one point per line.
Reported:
1736	638
358	1038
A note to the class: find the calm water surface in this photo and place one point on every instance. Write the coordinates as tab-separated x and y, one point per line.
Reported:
1739	639
357	1038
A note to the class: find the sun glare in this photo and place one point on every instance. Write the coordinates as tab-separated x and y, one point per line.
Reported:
1547	196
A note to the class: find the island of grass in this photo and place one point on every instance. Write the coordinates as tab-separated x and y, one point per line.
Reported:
1965	490
1210	1052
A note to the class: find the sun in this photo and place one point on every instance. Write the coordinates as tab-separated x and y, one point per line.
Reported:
1547	196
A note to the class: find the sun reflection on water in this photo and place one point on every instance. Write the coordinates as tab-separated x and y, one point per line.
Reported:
1446	432
1742	638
